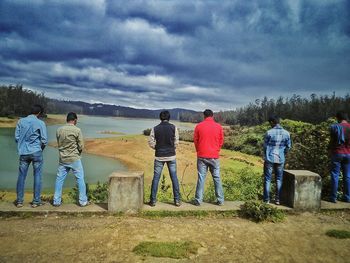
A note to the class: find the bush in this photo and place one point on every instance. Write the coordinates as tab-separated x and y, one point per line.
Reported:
242	185
258	211
340	234
147	132
98	194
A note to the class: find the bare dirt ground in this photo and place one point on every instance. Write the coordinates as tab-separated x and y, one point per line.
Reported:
301	238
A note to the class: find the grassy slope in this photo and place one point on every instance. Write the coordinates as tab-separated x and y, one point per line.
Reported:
52	119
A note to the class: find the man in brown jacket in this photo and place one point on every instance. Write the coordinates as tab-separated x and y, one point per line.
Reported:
70	146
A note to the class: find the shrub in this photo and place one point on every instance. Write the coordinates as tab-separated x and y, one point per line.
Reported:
258	211
242	185
147	132
99	194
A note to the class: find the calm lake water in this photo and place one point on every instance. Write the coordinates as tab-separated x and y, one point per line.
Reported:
96	168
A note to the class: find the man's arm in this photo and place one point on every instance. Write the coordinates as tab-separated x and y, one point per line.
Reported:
152	140
176	137
17	132
80	141
195	137
43	135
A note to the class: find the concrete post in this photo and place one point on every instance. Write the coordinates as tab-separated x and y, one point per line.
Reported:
125	192
301	190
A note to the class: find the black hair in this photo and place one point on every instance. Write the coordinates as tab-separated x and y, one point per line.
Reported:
164	115
341	115
36	109
208	113
71	116
274	119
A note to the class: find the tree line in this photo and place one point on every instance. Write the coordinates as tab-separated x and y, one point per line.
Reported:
313	110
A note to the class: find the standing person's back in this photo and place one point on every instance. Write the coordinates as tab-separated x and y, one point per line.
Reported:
208	139
70	146
340	155
31	139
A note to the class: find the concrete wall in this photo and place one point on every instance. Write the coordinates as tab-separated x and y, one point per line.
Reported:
125	192
301	190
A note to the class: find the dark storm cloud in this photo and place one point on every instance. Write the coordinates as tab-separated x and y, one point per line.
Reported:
160	54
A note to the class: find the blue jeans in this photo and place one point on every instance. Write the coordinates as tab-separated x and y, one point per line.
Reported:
158	167
340	162
78	171
24	162
278	169
203	164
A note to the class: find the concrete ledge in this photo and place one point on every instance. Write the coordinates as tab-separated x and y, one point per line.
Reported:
125	192
8	209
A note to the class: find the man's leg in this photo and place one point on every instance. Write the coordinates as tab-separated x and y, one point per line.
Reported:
175	182
62	172
278	167
215	172
202	169
267	180
78	172
158	167
335	171
22	174
37	166
346	177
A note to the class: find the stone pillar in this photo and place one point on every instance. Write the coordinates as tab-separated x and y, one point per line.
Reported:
301	190
125	192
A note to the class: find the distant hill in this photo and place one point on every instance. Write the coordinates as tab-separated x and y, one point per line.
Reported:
58	106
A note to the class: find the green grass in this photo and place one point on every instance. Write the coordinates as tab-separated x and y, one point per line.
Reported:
340	234
258	211
178	250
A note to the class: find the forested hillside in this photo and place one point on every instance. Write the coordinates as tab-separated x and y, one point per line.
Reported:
314	110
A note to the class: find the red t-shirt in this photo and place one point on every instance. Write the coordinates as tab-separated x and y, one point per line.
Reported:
208	138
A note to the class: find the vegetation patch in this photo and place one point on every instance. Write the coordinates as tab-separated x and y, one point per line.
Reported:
96	194
178	250
258	211
340	234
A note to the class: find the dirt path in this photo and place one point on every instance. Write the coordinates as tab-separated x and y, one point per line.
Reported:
301	238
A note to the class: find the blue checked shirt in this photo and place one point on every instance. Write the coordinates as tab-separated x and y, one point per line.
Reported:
30	135
277	143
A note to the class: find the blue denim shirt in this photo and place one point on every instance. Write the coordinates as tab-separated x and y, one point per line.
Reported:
30	135
277	143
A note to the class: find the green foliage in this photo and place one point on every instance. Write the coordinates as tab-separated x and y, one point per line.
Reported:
258	211
16	101
147	132
178	250
97	194
340	234
242	185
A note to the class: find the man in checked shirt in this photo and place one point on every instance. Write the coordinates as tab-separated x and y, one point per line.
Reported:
277	143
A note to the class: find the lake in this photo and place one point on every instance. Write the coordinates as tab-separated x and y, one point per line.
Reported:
96	168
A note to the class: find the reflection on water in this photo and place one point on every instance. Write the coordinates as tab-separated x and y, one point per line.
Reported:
96	168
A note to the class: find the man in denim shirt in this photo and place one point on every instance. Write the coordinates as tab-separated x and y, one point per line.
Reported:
31	139
277	143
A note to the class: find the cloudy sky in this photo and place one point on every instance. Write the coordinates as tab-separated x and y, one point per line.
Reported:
166	54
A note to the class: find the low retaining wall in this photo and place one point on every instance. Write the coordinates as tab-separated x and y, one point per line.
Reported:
125	192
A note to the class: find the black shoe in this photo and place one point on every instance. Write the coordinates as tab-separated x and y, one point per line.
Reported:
277	202
34	205
219	203
177	203
152	203
18	205
195	202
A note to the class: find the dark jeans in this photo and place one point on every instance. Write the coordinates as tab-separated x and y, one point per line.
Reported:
158	167
24	161
278	169
340	162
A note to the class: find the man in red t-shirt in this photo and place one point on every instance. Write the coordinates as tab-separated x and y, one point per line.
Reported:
340	154
208	139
